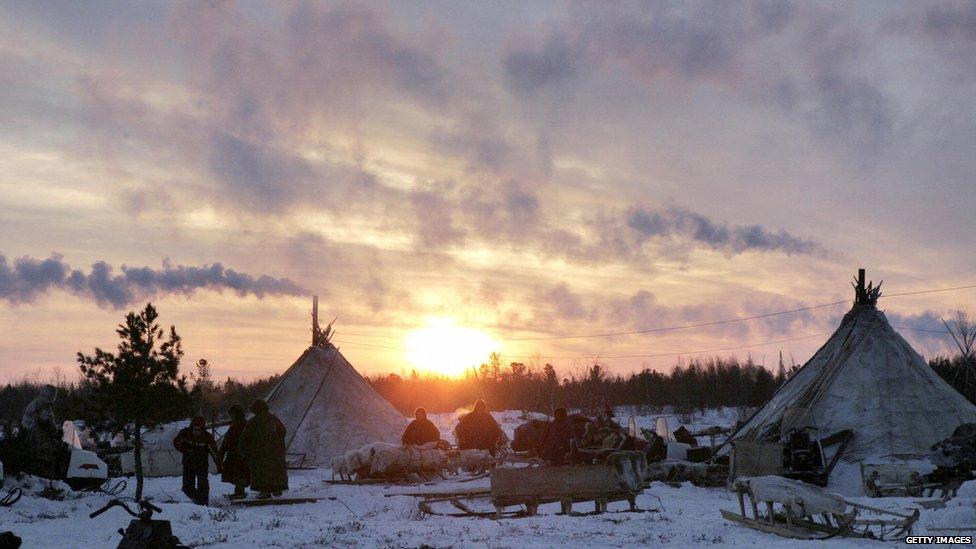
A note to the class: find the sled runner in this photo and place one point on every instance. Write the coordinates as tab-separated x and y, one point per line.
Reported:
254	502
11	497
796	510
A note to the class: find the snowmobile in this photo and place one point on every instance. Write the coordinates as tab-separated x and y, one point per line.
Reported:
52	459
803	457
143	532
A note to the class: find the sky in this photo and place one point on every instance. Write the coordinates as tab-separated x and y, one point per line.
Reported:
520	171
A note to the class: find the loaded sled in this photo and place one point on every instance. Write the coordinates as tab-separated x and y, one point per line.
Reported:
796	510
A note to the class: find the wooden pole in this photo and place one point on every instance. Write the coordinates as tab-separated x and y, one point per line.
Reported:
315	317
860	284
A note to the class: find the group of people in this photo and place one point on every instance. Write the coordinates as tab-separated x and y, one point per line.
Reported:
252	453
478	430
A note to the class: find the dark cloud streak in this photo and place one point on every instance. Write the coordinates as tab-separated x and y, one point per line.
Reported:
28	278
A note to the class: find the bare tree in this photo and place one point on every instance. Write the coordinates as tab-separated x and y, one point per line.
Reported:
963	332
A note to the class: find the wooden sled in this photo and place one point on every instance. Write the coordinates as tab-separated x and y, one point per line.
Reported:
790	518
529	487
891	480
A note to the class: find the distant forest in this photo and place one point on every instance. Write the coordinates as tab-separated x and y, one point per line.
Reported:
709	383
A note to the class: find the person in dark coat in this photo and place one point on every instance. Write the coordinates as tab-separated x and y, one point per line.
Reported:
263	445
233	464
197	446
557	440
478	430
421	430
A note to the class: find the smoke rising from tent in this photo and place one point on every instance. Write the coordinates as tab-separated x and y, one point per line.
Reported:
28	278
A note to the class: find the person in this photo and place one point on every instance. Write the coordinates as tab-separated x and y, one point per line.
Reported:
477	430
233	465
263	445
197	446
39	414
557	440
421	430
44	453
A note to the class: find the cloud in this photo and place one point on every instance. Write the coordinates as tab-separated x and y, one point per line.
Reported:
559	303
925	330
733	239
530	68
262	177
819	73
29	278
950	26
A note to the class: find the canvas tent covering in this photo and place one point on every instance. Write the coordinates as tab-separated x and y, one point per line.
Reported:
866	378
159	457
329	409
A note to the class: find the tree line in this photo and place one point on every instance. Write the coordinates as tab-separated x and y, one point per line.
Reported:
701	383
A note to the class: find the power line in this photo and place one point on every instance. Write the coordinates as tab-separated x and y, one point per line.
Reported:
922	330
675	353
655	355
681	327
692	352
930	291
704	324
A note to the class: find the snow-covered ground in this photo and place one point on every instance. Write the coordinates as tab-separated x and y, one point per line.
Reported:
372	516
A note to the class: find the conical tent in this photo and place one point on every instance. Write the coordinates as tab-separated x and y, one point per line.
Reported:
328	408
866	378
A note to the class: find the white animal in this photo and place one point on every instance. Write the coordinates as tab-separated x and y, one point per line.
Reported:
339	467
398	460
359	461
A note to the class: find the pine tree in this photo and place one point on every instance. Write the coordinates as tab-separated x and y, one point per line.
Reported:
140	384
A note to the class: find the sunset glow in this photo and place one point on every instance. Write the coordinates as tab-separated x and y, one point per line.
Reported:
521	171
445	348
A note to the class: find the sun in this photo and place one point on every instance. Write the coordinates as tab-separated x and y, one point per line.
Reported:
446	348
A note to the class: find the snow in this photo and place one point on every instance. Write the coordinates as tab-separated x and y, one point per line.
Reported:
363	516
